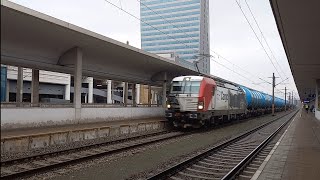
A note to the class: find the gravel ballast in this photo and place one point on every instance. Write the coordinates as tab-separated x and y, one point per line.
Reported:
134	163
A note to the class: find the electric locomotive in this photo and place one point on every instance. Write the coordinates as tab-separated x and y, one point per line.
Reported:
194	101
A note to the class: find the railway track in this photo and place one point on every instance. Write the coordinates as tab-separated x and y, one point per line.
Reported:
15	160
27	166
230	158
39	163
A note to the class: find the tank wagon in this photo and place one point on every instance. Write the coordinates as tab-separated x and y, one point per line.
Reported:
194	101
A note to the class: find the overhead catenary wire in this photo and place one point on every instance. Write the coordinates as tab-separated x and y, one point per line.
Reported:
144	22
120	4
247	79
176	27
163	32
219	55
255	20
130	14
258	38
257	24
272	54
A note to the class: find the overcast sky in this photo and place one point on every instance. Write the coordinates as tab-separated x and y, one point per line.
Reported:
230	35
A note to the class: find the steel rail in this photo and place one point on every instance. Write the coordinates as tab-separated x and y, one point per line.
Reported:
239	167
83	147
186	163
15	160
32	171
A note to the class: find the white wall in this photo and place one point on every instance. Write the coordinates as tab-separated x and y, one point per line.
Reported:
44	76
109	114
35	117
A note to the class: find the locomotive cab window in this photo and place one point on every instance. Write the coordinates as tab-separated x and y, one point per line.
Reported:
176	87
192	87
185	87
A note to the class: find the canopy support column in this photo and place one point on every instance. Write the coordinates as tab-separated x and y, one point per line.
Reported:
19	92
35	86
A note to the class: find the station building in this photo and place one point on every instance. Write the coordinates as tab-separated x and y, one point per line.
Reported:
58	88
3	82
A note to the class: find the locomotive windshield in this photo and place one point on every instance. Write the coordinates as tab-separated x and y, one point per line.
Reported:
185	87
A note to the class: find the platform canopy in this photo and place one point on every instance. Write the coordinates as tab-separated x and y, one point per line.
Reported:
299	27
35	40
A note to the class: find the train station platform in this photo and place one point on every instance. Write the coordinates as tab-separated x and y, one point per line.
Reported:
59	115
74	127
297	153
31	138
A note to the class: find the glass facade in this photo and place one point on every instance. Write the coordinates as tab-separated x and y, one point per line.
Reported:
3	83
177	26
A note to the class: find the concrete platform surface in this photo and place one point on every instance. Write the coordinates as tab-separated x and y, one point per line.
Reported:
296	156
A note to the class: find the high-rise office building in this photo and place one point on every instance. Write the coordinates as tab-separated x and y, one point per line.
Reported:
177	26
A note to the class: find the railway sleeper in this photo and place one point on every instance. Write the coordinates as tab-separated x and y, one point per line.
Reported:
252	146
245	142
223	159
255	164
23	166
107	148
90	153
76	156
263	154
40	163
213	170
98	151
55	160
256	161
64	159
244	177
249	168
259	159
222	165
206	173
188	176
248	173
175	178
6	172
232	152
126	144
268	149
235	152
229	157
241	148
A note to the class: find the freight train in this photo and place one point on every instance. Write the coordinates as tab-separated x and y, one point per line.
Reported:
195	101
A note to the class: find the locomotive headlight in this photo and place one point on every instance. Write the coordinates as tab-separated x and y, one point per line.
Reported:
168	106
200	105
